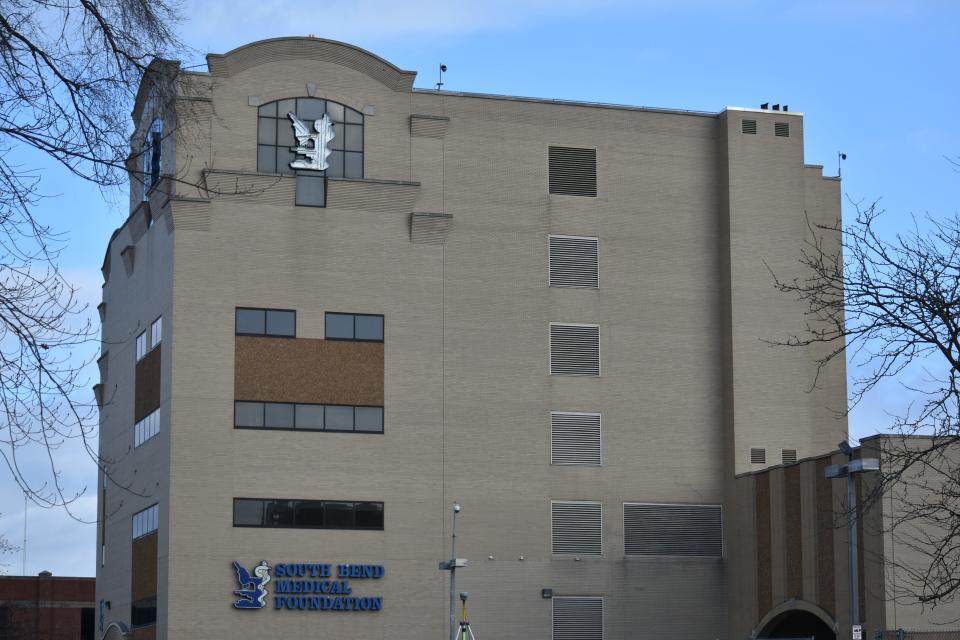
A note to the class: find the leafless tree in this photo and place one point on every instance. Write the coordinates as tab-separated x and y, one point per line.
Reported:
69	72
891	305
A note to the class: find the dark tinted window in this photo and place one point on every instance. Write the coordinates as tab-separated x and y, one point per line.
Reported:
266	322
369	515
143	612
279	513
338	515
307	514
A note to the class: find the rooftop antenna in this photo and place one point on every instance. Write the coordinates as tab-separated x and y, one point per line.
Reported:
443	68
841	156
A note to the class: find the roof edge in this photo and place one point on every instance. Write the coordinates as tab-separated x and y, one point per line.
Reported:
296	47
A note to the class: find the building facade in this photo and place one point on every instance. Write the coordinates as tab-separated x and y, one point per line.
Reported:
558	314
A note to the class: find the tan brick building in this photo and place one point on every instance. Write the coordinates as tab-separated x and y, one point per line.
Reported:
555	313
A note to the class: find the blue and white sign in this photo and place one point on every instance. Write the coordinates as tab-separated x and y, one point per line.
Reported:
307	586
253	587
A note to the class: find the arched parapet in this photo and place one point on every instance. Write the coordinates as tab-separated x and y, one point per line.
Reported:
792	606
282	49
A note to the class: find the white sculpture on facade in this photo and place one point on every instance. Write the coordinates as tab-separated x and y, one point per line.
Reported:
318	151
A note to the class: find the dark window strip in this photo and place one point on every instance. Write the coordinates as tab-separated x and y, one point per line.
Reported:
143	613
278	513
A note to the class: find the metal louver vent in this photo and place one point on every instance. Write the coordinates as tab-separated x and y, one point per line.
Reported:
574	349
788	456
672	530
576	527
574	438
758	455
577	618
749	127
781	129
574	262
573	172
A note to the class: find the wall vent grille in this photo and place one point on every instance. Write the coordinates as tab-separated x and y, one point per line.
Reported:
749	127
574	262
781	129
573	172
576	527
575	438
574	349
577	618
788	456
672	530
758	455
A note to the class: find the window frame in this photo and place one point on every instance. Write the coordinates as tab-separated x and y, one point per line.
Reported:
156	332
264	403
141	428
342	123
355	316
265	334
141	352
155	522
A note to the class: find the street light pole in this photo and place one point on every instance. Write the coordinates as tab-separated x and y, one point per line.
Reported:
848	471
453	574
451	566
854	555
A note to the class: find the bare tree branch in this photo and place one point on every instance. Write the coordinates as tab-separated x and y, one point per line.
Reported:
891	305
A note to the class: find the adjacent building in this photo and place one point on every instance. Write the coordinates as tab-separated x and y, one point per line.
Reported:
46	607
340	304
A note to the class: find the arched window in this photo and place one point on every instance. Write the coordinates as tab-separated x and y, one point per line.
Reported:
152	156
275	136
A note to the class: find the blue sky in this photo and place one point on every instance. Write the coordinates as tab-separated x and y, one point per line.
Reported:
875	79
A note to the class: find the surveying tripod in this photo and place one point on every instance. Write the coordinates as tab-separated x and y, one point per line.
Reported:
465	632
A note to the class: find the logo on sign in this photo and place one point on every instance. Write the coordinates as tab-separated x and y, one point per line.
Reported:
310	586
253	586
